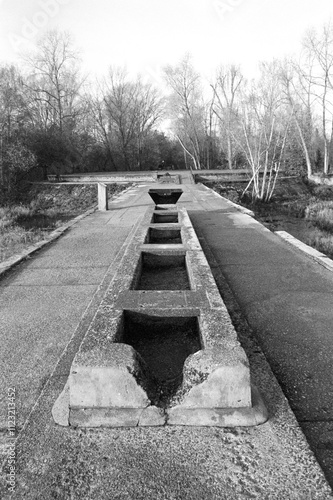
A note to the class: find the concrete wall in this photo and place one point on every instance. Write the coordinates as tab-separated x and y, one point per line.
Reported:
107	177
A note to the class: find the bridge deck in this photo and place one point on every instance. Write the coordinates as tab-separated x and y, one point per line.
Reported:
47	302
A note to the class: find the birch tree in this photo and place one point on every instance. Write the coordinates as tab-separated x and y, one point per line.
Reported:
227	90
265	122
187	109
300	101
319	50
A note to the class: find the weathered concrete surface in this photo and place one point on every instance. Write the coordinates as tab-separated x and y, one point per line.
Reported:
194	413
107	379
106	376
287	299
208	463
47	301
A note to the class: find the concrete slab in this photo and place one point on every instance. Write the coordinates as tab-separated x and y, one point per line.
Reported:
39	321
274	280
61	276
43	303
80	248
286	298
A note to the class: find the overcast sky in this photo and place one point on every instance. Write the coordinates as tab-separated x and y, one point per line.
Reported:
148	34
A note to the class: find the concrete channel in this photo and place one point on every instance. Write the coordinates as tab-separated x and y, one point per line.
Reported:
161	348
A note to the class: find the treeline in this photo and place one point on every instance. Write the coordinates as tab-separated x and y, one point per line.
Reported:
282	119
54	121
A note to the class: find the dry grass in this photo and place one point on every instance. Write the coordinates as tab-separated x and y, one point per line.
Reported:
15	239
321	214
323	242
45	208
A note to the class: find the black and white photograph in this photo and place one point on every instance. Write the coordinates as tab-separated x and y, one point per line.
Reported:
166	250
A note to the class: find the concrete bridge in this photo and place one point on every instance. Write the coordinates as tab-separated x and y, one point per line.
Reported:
281	303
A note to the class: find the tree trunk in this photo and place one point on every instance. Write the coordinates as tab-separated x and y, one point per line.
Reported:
305	149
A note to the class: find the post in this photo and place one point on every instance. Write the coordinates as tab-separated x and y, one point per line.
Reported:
102	196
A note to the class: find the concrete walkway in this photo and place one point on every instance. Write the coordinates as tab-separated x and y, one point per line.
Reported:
287	299
46	305
43	300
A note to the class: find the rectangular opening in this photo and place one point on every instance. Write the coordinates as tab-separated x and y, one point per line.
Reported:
164	343
163	272
165	235
165	196
164	217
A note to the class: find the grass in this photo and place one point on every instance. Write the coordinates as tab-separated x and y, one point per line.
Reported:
321	214
43	209
323	242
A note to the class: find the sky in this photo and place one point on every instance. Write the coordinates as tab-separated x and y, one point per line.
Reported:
146	35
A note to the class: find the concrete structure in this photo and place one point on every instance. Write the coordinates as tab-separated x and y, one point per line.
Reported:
110	385
166	195
48	302
102	193
108	177
167	178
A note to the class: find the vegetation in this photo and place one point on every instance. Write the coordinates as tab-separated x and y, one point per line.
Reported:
321	214
45	208
298	207
54	120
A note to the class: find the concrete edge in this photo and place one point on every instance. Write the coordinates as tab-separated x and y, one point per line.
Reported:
231	203
221	417
218	417
16	259
314	254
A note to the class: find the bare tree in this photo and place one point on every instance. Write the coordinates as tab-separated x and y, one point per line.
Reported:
319	50
54	81
297	91
265	122
187	108
227	90
125	113
14	113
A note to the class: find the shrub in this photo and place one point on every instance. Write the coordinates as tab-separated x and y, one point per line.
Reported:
321	242
321	214
323	192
